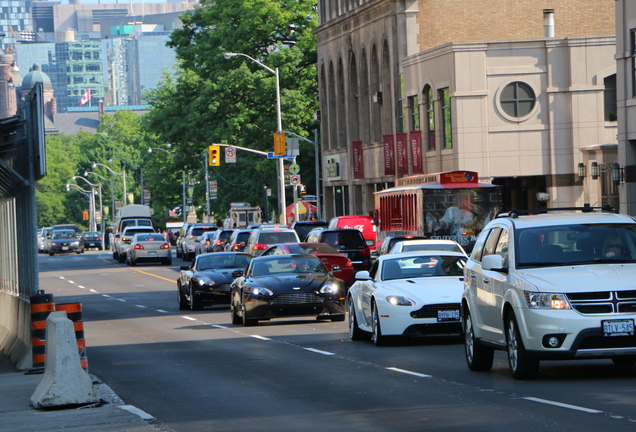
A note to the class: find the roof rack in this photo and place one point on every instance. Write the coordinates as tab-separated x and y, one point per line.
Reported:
585	209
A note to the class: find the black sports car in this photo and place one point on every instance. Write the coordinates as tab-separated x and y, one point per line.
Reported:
288	285
207	281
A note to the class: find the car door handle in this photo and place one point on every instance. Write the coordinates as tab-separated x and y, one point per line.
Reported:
486	280
473	275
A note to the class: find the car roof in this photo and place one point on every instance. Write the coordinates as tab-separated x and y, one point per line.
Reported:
554	219
426	253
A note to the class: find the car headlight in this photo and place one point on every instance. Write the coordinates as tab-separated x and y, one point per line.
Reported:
75	243
547	301
261	292
400	301
206	282
330	288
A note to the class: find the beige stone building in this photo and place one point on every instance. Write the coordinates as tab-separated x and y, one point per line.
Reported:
513	90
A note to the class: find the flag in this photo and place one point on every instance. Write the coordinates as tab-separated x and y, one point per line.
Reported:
85	98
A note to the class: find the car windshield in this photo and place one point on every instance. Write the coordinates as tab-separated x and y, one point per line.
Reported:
345	239
423	266
304	229
313	248
277	237
575	244
421	247
62	235
223	261
150	237
288	265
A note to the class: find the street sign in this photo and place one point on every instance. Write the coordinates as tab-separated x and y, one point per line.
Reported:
311	198
294	168
230	155
271	155
294	179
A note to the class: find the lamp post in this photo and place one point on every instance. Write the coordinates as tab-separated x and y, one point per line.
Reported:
91	203
101	207
122	174
281	165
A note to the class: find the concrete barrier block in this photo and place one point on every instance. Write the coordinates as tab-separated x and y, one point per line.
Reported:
64	381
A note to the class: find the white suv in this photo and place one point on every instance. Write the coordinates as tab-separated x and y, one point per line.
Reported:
550	287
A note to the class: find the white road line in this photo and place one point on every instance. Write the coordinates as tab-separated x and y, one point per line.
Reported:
71	282
563	405
317	351
120	300
162	311
260	337
133	409
105	295
218	326
93	291
81	286
189	318
62	277
408	372
141	306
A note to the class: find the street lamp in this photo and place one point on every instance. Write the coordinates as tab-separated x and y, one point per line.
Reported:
122	174
91	202
94	219
281	165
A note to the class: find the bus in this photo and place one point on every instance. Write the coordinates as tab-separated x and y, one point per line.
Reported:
451	205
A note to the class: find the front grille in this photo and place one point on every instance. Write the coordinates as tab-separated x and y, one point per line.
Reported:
603	302
296	298
430	311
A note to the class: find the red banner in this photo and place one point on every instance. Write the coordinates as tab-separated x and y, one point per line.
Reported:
416	152
358	160
401	140
389	158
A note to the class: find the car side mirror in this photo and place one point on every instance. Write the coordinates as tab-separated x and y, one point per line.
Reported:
363	275
237	273
336	268
185	267
493	263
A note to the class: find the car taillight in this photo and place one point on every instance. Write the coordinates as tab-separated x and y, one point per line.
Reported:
138	246
260	246
99	239
207	242
219	242
165	246
349	263
366	251
236	247
191	237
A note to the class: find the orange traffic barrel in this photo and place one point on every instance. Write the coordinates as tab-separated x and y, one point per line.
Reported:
74	313
41	306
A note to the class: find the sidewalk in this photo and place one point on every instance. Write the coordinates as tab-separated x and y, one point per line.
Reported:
17	414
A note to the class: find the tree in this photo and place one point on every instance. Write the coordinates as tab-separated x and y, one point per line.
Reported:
213	100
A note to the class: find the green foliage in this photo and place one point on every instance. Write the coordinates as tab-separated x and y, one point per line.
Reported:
210	99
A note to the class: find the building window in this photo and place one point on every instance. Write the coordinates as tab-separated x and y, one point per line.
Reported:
609	98
401	123
517	99
633	56
430	117
444	97
414	109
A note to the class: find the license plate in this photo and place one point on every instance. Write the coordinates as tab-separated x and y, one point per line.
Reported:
64	247
152	253
618	327
448	315
91	245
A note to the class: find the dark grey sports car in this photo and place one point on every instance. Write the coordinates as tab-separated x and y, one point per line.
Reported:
207	281
278	286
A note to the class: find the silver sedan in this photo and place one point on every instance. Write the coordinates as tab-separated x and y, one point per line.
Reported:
149	247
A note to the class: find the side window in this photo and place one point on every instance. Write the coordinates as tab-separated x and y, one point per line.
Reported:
491	242
479	245
502	246
374	270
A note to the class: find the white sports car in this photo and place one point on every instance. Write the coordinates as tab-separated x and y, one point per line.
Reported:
408	294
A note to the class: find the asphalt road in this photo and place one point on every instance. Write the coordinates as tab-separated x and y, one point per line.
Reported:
195	371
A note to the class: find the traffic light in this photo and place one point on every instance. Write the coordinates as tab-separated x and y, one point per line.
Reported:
214	155
280	144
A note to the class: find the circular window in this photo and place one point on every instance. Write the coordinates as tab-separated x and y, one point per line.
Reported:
517	99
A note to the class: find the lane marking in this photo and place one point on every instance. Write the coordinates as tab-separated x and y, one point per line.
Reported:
120	300
70	281
81	286
162	311
260	337
62	277
93	291
317	351
133	409
404	371
189	318
563	405
218	326
154	275
106	295
141	306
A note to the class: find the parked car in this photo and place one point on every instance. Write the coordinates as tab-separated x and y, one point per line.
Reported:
187	244
207	281
45	233
388	243
347	241
428	244
237	240
121	240
279	286
64	241
303	228
93	240
265	236
149	247
337	263
550	287
408	294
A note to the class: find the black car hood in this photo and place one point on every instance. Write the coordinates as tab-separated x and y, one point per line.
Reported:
294	282
222	276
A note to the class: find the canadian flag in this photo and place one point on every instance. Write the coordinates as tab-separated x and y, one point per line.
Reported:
85	98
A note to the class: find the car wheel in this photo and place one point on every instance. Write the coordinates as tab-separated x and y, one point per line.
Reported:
121	258
478	357
178	253
132	262
167	261
355	333
51	253
247	322
195	303
377	336
236	319
183	301
521	366
624	361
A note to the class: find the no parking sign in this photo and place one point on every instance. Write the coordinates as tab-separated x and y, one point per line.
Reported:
230	155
